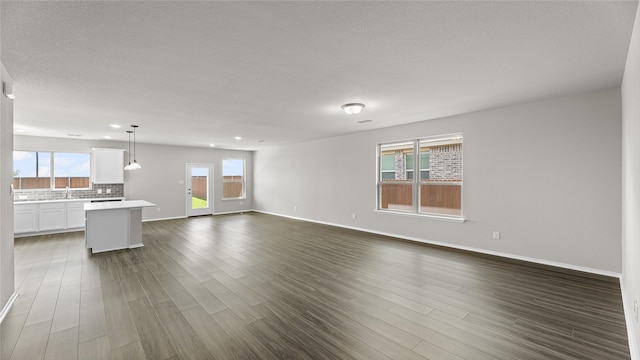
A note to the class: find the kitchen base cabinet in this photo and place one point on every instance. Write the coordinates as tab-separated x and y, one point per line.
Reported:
52	216
75	215
25	218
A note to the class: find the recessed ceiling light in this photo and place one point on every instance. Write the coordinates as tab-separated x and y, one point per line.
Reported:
20	130
116	126
212	145
238	138
107	137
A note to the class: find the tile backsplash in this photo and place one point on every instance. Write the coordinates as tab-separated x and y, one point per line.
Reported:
117	190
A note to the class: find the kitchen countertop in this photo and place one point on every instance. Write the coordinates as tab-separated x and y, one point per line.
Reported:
112	205
65	200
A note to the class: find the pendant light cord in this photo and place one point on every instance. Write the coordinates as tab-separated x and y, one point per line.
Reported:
129	131
134	142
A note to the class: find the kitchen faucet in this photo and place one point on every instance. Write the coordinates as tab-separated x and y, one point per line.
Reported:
67	195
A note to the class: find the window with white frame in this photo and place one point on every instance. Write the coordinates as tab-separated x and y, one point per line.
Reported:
438	188
233	179
51	170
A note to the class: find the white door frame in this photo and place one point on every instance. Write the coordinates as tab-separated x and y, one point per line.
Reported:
188	198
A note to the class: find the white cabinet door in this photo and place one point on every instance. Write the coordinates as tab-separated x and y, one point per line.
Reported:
25	218
75	214
52	216
108	166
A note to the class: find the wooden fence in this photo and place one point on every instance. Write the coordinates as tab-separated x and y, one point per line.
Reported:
45	183
232	187
432	195
199	187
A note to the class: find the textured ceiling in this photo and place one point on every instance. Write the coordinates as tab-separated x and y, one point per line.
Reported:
195	73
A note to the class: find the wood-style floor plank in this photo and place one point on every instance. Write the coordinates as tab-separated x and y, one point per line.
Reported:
133	351
256	286
98	349
32	342
155	341
67	310
63	345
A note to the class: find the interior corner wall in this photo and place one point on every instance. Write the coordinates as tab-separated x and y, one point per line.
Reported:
631	180
162	178
546	174
7	279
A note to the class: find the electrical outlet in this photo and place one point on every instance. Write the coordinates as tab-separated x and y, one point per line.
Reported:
353	216
108	191
99	191
496	235
295	208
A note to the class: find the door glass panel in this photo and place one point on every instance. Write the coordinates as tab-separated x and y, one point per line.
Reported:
199	188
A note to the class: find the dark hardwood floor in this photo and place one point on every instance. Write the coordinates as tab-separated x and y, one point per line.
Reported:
257	286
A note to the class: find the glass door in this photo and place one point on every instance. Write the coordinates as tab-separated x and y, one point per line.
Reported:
199	186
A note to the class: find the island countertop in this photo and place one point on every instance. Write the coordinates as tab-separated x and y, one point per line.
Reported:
126	204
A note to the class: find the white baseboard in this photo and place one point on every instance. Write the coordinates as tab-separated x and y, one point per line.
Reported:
184	217
167	218
232	212
7	306
462	247
48	232
629	319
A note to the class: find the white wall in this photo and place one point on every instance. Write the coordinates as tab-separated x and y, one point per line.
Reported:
545	174
631	180
163	167
6	202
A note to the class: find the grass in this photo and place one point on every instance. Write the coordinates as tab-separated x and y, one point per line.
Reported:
197	203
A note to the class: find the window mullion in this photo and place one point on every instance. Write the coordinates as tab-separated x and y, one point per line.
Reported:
416	176
52	179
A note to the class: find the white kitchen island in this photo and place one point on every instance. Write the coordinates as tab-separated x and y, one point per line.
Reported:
114	225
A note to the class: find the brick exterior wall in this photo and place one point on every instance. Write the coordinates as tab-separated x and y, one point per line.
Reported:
400	166
445	163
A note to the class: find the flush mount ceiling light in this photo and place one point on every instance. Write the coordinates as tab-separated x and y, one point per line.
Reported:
352	108
115	126
134	165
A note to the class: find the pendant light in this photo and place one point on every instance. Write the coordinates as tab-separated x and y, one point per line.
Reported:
135	164
129	166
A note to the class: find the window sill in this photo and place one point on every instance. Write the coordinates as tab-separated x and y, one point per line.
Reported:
456	219
231	199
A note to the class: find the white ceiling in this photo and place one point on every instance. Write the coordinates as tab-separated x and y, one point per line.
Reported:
195	73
